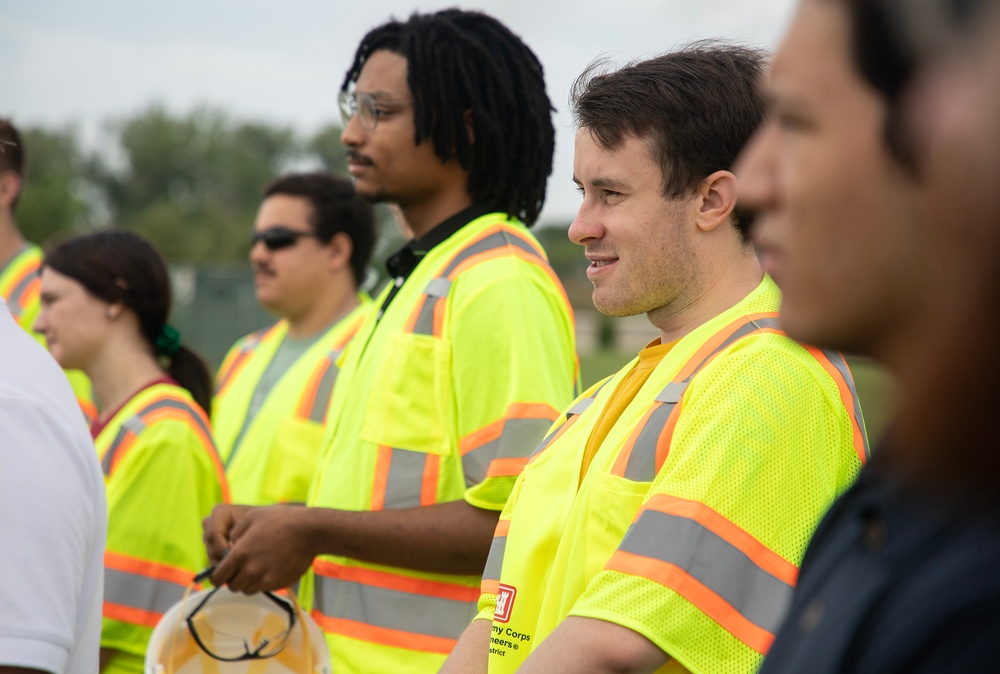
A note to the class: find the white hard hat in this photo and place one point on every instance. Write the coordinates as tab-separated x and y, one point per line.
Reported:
220	632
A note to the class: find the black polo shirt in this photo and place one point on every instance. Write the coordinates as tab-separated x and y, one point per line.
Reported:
895	580
402	263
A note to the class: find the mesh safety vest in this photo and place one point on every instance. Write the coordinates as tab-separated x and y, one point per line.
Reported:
20	285
696	509
163	477
275	459
441	399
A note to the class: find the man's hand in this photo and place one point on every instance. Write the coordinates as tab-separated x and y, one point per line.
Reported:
218	526
269	548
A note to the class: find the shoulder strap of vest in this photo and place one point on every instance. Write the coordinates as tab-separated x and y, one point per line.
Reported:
166	404
315	401
574	412
23	282
234	363
428	318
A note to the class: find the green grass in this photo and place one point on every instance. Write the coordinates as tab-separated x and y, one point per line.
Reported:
874	385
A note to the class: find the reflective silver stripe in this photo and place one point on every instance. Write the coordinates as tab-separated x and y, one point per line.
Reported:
324	389
438	288
576	410
642	462
840	363
132	425
580	407
518	438
14	301
141	592
641	465
495	561
723	568
405	479
393	609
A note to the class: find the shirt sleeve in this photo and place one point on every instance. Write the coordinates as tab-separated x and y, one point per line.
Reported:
762	447
513	368
51	521
158	494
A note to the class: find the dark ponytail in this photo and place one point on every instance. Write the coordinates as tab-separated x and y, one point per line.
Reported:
120	266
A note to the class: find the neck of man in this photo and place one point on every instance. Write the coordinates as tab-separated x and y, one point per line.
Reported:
424	215
11	240
720	284
331	306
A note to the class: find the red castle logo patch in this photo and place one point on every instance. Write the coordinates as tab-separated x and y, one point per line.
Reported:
505	602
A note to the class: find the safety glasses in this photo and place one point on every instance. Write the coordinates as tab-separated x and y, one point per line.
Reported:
265	640
367	108
276	238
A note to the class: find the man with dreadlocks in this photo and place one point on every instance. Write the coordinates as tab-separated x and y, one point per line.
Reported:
457	374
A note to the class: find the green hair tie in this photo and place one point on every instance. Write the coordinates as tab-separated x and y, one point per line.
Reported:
168	342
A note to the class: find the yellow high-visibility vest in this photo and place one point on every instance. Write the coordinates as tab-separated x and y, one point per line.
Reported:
20	285
275	459
441	399
163	477
690	523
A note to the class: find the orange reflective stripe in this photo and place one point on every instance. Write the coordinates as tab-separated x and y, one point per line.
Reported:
429	483
128	614
305	406
89	409
494	430
707	601
384	636
118	451
717	340
145	567
234	363
382	460
395	581
510	467
848	395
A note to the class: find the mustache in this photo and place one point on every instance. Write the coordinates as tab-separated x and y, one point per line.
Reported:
261	268
355	157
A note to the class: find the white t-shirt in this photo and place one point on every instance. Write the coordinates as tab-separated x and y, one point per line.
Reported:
53	515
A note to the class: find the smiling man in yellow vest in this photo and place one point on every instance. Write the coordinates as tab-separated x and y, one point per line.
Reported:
455	378
312	240
660	526
20	260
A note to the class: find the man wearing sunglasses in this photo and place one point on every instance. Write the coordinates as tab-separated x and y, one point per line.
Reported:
311	242
457	374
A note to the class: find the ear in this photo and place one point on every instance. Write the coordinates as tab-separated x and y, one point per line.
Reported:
114	310
10	187
717	200
340	249
470	129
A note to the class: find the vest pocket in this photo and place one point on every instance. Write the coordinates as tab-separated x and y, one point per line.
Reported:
293	462
410	404
612	505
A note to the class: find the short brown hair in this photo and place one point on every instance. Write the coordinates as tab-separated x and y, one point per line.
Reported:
698	106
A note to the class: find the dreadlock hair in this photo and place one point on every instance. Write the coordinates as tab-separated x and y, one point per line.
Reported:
463	61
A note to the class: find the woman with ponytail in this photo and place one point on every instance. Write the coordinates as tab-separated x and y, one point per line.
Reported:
105	302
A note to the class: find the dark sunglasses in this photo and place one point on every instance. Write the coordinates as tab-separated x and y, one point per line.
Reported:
276	238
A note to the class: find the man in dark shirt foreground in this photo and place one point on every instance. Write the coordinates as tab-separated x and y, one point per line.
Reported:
876	180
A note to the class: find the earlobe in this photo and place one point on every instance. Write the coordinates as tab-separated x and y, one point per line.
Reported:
341	249
718	198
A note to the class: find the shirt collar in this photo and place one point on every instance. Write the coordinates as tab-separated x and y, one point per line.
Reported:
405	260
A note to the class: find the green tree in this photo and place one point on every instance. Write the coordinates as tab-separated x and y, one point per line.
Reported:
52	198
326	147
192	183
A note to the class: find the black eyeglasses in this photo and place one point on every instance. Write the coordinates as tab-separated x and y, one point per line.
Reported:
267	641
276	238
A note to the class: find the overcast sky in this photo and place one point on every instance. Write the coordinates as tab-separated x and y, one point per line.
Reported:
282	60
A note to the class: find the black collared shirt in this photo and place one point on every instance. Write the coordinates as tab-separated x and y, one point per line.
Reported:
402	263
